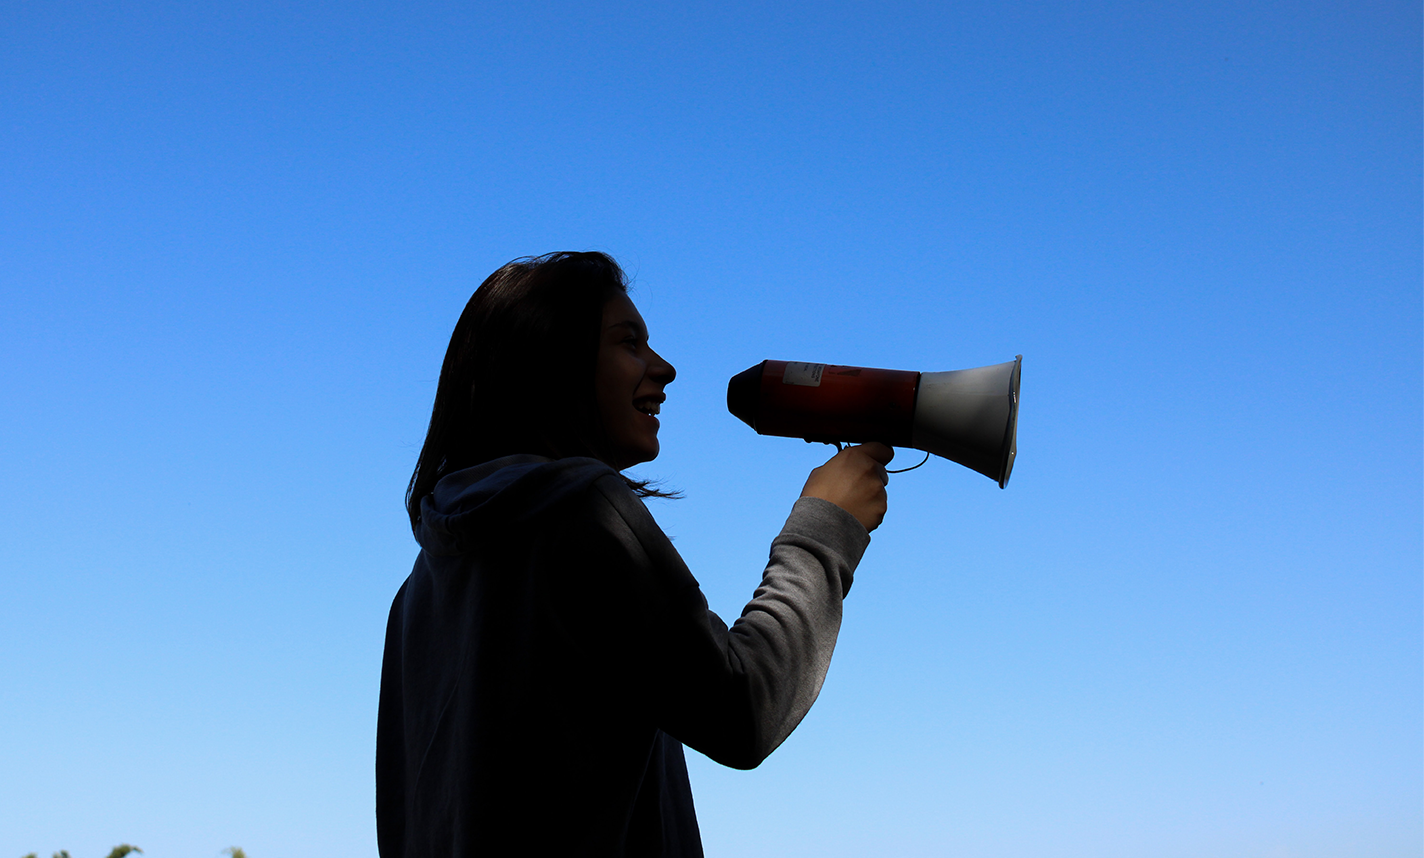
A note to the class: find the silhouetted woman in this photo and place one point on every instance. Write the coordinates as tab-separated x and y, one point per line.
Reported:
550	654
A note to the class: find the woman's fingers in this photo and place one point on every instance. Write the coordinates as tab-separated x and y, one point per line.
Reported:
854	480
881	453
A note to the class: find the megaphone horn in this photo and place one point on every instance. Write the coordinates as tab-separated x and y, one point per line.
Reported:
969	416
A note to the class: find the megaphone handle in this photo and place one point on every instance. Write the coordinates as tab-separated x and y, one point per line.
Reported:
837	445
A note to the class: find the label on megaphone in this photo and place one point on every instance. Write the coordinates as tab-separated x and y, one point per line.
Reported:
969	416
804	374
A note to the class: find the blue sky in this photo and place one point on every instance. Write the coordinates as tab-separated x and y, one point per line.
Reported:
236	238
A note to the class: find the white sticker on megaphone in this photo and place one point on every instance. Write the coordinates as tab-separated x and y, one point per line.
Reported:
804	374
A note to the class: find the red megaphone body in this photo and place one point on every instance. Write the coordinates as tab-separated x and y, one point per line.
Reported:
969	416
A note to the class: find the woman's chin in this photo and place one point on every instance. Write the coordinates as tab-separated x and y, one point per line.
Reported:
640	456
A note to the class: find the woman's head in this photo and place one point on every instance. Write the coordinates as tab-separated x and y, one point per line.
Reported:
628	383
544	347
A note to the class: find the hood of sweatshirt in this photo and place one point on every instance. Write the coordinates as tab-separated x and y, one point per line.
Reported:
498	495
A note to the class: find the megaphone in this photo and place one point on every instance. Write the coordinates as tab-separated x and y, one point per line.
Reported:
969	416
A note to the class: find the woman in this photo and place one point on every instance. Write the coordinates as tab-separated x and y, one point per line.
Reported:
550	654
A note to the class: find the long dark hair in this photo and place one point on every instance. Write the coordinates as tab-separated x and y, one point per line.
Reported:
518	376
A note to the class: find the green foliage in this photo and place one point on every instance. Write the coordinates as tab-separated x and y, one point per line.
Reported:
120	851
123	849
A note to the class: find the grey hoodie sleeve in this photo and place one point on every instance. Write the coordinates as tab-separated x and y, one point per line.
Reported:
782	642
733	694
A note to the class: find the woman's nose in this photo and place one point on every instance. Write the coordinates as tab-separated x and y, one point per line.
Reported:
660	370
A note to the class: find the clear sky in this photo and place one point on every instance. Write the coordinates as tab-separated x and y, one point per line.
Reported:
234	239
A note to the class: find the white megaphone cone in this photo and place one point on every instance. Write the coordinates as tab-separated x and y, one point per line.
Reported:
971	416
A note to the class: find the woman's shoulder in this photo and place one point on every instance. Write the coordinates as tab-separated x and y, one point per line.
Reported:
510	494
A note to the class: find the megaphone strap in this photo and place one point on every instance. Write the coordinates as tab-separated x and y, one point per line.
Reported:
911	468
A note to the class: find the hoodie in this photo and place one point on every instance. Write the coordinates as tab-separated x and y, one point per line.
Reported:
550	654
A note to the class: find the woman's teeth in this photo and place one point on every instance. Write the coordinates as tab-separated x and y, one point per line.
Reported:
649	408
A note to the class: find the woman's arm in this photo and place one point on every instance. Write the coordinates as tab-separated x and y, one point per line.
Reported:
635	611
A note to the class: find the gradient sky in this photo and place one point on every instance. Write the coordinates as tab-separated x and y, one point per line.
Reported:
235	238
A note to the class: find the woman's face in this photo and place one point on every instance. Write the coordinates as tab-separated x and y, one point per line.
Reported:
629	378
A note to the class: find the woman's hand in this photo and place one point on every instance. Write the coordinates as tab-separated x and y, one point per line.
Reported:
854	480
